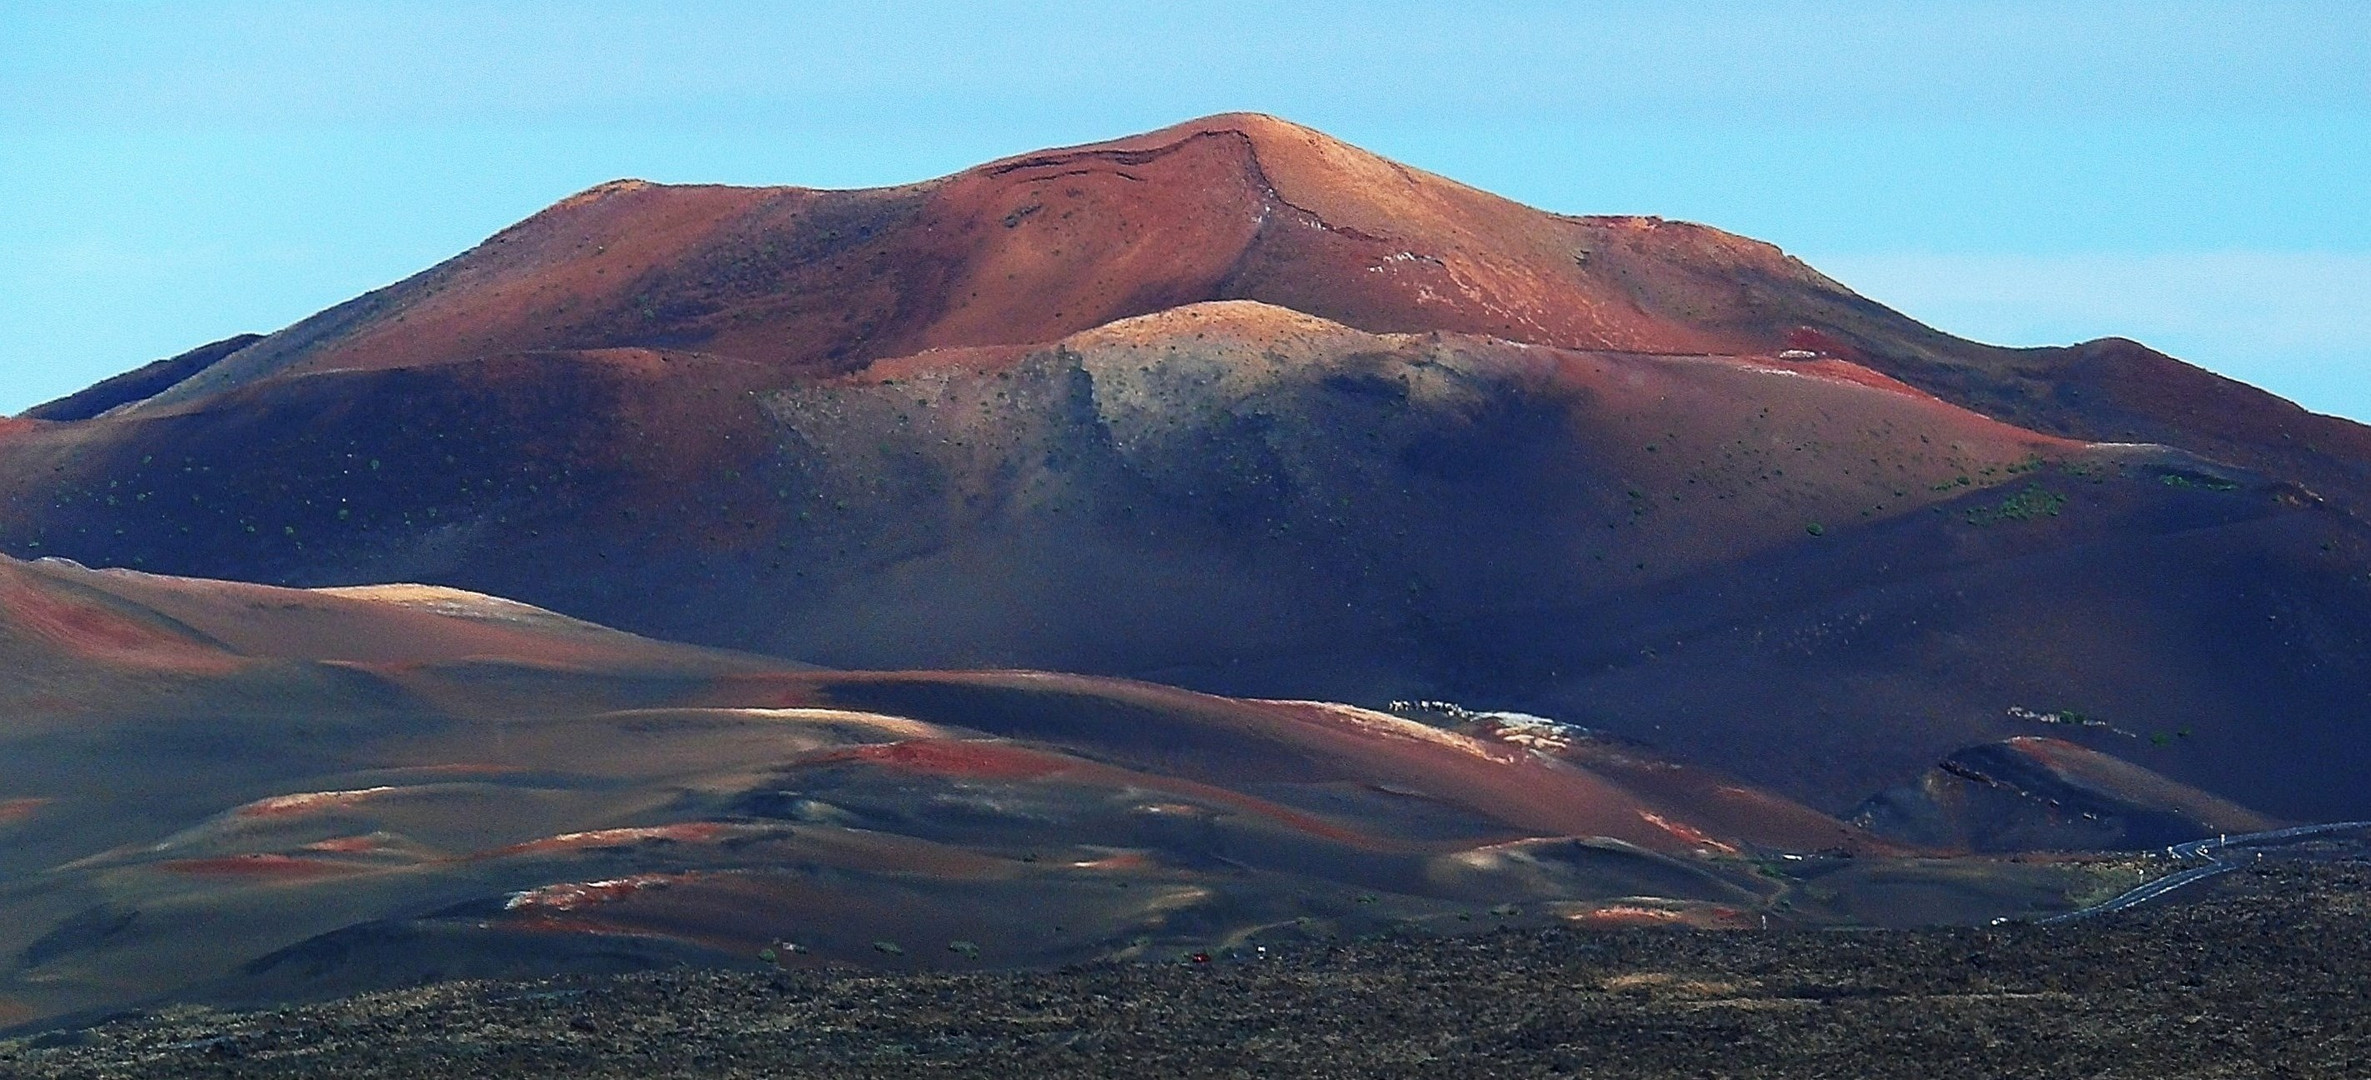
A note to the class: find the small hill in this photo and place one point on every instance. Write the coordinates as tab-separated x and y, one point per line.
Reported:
242	793
2039	793
139	384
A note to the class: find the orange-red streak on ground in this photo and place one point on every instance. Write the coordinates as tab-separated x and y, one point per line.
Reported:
987	760
259	866
15	810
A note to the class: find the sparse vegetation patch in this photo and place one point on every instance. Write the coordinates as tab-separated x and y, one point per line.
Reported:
2035	501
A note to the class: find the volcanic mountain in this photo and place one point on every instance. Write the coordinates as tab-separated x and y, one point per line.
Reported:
1237	407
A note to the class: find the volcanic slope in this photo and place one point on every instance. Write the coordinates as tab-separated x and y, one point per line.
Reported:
245	793
1243	498
1238	407
2034	792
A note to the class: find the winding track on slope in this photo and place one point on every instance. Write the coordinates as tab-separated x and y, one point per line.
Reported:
2210	850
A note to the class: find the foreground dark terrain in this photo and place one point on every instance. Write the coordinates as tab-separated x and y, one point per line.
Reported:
2256	974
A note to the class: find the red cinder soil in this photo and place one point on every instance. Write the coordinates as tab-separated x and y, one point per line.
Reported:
15	810
257	866
985	760
1143	724
1024	250
74	619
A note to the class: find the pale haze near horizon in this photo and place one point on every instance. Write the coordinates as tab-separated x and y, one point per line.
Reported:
2193	175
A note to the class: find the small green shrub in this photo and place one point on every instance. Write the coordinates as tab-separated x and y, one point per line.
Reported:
2034	502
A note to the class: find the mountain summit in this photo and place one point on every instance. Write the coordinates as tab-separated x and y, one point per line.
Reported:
1238	206
1031	248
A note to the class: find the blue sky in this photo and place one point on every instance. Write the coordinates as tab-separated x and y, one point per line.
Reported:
2194	175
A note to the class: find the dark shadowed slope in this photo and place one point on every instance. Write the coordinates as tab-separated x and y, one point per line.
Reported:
1243	498
1797	570
139	384
2039	792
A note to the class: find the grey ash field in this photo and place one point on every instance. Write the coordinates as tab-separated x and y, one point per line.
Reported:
2258	974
